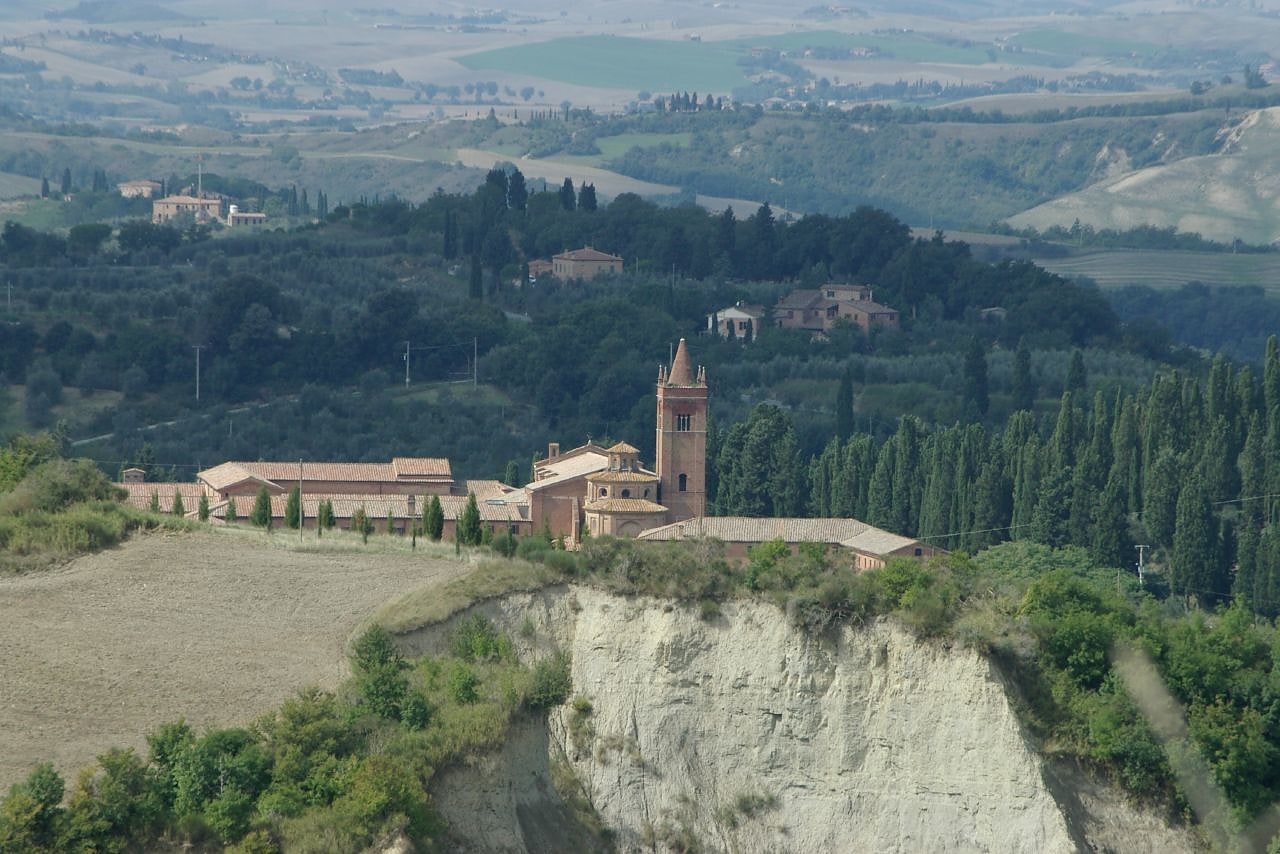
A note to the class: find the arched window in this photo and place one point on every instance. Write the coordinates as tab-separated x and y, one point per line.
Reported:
626	493
603	492
684	482
646	492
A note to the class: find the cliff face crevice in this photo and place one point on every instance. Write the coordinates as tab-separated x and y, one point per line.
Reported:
747	734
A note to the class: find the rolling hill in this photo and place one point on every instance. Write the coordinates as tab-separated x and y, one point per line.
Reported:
1234	193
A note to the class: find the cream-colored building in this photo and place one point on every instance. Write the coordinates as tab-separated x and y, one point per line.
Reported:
201	209
586	263
140	189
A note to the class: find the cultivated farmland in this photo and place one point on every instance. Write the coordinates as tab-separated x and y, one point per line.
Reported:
216	627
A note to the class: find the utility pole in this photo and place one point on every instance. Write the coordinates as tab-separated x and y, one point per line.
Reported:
1141	563
197	348
301	515
9	304
475	363
407	348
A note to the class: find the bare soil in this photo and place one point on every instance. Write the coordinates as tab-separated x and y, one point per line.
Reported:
215	627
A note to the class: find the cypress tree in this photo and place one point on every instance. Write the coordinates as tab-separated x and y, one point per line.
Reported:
292	507
475	288
260	515
154	504
1248	543
469	528
178	509
1024	387
568	198
844	406
433	519
230	514
1160	498
1051	517
1077	376
202	512
1192	562
975	392
1026	486
1271	375
1109	534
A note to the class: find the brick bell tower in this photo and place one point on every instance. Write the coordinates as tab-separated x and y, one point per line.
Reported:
682	438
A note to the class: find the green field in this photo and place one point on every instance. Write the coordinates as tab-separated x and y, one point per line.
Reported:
1169	269
911	47
611	62
12	186
1064	43
616	146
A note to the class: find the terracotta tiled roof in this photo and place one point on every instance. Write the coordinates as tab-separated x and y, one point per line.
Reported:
421	467
681	367
874	541
623	448
485	489
870	307
226	475
744	529
586	254
491	510
623	505
755	311
140	495
284	474
563	468
803	299
623	477
850	533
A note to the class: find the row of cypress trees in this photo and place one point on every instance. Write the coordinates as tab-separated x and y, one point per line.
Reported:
1190	467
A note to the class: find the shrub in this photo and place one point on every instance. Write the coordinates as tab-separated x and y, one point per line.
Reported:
375	648
505	544
464	685
476	639
552	682
415	712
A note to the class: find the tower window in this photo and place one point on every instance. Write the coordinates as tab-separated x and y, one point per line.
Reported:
684	482
626	493
603	492
684	423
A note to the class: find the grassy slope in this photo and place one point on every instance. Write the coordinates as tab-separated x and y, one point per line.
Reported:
1221	196
1169	269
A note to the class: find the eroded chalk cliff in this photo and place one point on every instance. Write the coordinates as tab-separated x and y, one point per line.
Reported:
746	734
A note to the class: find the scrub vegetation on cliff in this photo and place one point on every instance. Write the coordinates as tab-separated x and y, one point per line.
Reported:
325	772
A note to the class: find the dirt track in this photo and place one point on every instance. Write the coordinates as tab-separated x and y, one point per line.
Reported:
215	627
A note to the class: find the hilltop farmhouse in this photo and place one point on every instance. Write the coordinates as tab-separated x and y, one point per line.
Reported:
586	491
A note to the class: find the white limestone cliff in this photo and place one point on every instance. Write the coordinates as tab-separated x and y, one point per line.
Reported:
747	734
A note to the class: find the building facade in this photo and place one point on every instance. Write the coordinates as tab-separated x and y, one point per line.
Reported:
585	263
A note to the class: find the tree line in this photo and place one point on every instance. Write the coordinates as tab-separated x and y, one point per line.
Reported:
1188	467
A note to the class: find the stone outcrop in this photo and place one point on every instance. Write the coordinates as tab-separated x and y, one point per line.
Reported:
746	734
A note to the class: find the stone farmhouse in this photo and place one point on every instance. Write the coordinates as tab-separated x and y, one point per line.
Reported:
817	310
585	263
588	490
141	189
202	208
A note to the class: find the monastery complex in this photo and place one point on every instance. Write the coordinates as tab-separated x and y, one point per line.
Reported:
586	491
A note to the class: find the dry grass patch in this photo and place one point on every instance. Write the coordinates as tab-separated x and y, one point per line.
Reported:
490	578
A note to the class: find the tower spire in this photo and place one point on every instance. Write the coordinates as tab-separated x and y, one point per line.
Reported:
681	367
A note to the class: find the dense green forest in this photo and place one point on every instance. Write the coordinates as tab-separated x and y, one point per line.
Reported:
303	333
